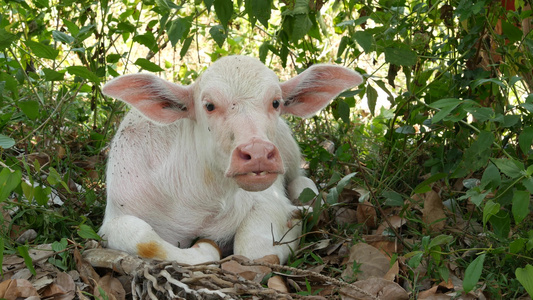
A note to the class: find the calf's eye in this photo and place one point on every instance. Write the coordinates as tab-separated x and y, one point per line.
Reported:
209	106
275	104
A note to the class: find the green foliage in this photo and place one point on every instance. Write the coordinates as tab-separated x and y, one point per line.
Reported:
459	92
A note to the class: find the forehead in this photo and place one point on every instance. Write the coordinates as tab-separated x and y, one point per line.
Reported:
239	76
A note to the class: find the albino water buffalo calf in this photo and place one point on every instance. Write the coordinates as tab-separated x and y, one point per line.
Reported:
213	160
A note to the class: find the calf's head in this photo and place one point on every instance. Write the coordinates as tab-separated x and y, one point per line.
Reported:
236	105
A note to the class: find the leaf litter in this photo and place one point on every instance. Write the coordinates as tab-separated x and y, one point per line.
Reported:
370	266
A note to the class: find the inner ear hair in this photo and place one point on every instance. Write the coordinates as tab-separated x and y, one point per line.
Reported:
168	103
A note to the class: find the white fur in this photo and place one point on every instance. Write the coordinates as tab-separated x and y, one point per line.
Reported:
166	182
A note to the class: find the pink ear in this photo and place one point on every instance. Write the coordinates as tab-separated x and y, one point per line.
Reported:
313	89
159	100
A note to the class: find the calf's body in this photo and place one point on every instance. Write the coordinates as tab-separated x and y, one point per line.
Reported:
213	160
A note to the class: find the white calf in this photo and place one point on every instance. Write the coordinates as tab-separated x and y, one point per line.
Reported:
212	160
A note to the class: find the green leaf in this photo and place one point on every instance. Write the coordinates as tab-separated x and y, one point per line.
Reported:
60	246
342	45
23	251
345	181
440	240
224	11
363	39
6	142
54	177
178	30
41	50
51	75
261	9
62	37
479	82
2	256
301	25
476	197
83	72
501	224
343	109
528	183
477	155
513	33
333	196
491	208
509	167
185	46
307	195
27	190
148	65
491	177
6	39
86	232
525	277
263	51
517	245
400	56
166	5
30	108
424	186
525	139
446	106
392	198
42	194
520	205
8	182
208	4
148	40
473	273
372	98
218	34
72	27
415	260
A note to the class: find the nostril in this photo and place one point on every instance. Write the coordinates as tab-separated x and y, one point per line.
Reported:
244	155
271	155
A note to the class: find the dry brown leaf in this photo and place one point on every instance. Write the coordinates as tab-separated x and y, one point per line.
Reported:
111	286
53	290
371	263
447	285
376	287
395	221
42	158
346	216
22	274
12	260
366	214
17	288
433	211
271	259
432	294
87	274
118	261
393	272
60	151
387	245
27	236
277	283
66	282
40	252
253	273
42	281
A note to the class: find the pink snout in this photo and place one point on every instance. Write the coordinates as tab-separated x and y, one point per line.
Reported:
255	165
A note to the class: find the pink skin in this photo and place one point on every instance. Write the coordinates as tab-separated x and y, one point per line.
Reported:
213	160
255	165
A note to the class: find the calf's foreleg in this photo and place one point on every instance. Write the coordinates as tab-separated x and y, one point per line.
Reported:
133	235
